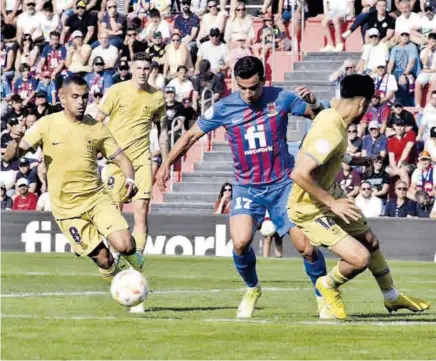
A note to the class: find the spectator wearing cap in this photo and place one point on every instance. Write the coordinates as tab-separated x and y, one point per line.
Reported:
385	84
400	148
406	21
428	73
81	20
27	53
424	204
49	21
78	54
92	108
155	25
374	144
175	112
349	180
108	52
25	200
401	206
176	54
155	78
29	21
42	106
132	45
347	68
156	52
123	73
423	177
354	142
25	172
370	205
382	21
182	85
378	112
212	19
114	24
424	27
49	87
26	85
53	57
205	79
378	178
99	80
428	120
398	113
240	22
188	24
216	53
5	201
374	53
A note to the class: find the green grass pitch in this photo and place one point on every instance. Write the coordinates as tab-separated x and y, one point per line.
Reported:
56	307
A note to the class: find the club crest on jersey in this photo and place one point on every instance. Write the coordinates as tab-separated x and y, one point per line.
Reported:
272	109
110	182
91	145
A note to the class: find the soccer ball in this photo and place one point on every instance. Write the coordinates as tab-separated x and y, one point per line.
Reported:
268	229
129	288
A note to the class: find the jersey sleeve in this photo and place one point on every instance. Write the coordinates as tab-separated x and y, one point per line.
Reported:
211	119
108	102
35	136
108	145
294	104
321	144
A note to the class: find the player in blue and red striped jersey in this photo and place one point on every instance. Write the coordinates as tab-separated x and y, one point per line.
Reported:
256	120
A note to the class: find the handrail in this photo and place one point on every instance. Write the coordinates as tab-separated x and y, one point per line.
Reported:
173	124
264	35
203	111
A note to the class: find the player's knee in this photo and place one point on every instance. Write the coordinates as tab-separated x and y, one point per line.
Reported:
362	260
241	246
124	243
372	242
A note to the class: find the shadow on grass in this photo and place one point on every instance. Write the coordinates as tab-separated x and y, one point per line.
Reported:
193	309
395	317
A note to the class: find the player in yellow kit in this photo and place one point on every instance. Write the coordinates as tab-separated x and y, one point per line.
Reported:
83	209
131	107
319	206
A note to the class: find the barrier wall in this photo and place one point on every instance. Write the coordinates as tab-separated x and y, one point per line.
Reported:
406	239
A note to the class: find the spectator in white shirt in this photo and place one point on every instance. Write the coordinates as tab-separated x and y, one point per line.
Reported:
374	53
430	144
183	86
370	205
426	25
385	83
29	22
156	24
335	12
108	52
44	202
212	19
428	73
406	21
49	20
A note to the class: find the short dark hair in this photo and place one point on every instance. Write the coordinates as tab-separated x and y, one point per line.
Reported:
357	85
47	6
74	79
24	67
154	13
55	33
248	66
16	98
432	36
204	66
141	57
182	67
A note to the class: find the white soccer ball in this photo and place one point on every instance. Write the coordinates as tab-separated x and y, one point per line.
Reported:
268	229
129	288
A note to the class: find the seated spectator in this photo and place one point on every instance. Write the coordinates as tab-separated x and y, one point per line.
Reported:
82	20
216	52
224	201
335	12
400	152
123	73
10	11
44	203
18	111
399	113
176	54
378	112
382	21
113	24
404	65
156	25
428	120
92	108
385	84
400	206
374	53
198	7
25	172
240	23
430	144
49	87
53	57
206	79
188	25
349	180
29	21
348	68
156	52
7	64
354	142
7	175
182	85
5	201
268	36
374	144
27	53
212	19
78	54
99	80
406	21
428	73
424	27
370	205
176	114
25	86
378	178
423	177
42	107
108	52
49	21
25	200
132	45
156	79
424	204
361	19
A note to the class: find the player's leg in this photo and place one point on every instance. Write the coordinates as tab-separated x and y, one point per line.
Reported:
124	244
103	258
380	270
267	246
278	242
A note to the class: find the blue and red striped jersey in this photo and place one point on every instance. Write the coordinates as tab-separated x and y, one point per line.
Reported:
256	133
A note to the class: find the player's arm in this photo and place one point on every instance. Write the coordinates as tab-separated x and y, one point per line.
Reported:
18	147
164	138
313	106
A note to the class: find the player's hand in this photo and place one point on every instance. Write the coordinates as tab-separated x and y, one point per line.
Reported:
346	209
162	176
131	188
306	94
17	132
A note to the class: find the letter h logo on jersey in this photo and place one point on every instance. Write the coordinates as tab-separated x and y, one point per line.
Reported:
253	133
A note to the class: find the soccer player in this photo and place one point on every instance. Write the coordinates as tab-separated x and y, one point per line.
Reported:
131	107
320	207
256	120
81	206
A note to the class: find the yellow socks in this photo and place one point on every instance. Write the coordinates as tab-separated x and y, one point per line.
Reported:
334	278
109	274
380	271
140	240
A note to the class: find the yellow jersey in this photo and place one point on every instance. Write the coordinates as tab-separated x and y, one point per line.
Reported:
326	142
131	112
70	155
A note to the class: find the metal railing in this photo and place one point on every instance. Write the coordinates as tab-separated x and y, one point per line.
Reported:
203	110
269	31
297	55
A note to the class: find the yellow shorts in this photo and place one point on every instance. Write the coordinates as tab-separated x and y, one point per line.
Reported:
115	182
86	231
328	229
